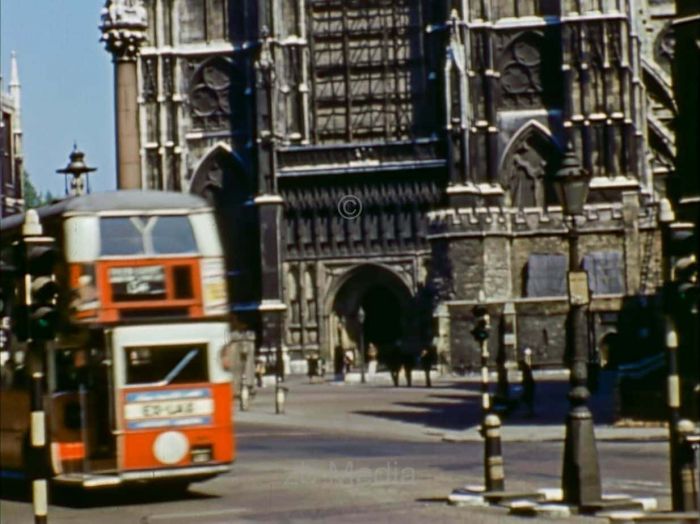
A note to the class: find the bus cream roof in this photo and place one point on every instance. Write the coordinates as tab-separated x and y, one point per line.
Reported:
116	201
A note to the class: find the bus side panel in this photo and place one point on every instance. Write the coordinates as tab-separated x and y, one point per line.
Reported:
139	444
14	427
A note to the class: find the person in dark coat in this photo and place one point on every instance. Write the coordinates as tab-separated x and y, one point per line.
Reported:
338	356
393	362
426	362
408	361
528	382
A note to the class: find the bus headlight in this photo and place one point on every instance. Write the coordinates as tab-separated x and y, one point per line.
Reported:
201	454
170	447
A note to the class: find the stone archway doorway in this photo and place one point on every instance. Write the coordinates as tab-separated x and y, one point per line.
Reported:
388	306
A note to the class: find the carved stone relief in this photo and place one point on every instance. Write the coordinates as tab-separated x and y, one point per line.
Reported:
664	46
212	85
521	83
529	162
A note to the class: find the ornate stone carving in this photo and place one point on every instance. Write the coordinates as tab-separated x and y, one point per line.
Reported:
124	25
393	217
664	46
293	295
149	91
168	80
212	84
530	160
521	83
310	295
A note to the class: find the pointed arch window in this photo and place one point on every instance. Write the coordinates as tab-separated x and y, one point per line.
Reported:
528	165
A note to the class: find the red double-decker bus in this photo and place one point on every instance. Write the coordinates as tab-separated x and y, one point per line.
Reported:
136	384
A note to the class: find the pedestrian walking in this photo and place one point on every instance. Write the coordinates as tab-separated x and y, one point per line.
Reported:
393	362
338	357
426	362
528	382
312	366
259	370
348	360
408	363
372	355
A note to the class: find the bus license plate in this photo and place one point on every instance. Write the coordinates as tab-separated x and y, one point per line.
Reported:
150	412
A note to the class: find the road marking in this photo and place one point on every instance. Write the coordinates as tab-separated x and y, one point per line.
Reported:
275	434
190	515
643	485
638	482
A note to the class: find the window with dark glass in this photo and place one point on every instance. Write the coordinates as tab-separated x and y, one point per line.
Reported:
184	364
546	275
605	272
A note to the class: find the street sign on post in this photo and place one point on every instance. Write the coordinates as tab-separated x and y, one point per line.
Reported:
578	288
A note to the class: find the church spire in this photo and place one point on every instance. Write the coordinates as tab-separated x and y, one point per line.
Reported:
15	92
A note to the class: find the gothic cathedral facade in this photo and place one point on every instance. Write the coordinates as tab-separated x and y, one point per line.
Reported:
396	156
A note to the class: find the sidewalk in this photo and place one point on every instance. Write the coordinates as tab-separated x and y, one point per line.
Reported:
449	411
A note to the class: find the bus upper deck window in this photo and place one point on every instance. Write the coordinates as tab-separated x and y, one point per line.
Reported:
120	236
146	235
173	234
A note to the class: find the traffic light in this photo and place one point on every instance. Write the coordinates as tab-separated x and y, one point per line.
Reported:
482	324
684	263
36	315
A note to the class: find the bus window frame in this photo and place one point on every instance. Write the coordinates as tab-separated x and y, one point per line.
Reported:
145	229
121	381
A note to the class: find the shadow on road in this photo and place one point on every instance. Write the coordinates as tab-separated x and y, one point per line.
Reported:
20	491
459	411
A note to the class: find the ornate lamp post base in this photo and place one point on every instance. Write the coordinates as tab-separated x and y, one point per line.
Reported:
581	473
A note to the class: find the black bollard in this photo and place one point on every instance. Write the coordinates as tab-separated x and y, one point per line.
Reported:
673	400
685	462
38	448
491	424
494	473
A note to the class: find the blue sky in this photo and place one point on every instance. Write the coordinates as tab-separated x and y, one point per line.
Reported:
67	86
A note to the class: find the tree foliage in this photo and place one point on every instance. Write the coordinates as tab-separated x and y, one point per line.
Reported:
33	197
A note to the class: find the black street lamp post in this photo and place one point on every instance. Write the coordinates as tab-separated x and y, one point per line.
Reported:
581	475
361	320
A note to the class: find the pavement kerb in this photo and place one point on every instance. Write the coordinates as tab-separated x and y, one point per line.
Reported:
520	434
554	434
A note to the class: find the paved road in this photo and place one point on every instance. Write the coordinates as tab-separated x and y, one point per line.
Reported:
297	476
338	473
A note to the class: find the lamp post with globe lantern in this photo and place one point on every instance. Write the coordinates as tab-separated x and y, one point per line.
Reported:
581	474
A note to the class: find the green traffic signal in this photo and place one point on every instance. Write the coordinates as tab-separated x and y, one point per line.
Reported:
43	323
